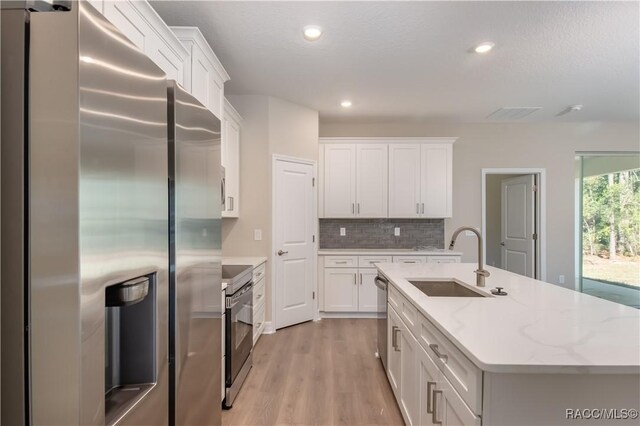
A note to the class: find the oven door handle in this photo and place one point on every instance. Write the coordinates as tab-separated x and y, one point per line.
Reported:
234	300
381	283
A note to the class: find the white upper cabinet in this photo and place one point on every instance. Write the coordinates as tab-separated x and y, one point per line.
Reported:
204	75
436	180
141	24
371	180
339	180
354	180
404	180
231	122
420	179
378	177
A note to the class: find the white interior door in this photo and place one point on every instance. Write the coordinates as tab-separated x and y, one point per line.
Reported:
294	225
518	244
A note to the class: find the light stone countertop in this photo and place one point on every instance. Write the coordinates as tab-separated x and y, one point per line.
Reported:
389	252
252	261
537	328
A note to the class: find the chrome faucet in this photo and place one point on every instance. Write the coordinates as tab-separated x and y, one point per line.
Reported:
481	273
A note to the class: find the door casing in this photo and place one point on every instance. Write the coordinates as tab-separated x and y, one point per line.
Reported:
541	248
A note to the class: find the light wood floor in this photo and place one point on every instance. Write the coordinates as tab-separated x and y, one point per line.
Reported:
316	373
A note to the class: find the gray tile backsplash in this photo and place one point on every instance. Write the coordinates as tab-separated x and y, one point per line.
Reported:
378	233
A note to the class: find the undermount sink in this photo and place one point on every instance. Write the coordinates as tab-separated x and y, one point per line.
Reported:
445	289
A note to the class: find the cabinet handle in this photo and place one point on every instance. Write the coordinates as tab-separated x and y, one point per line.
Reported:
422	208
353	208
358	208
355	279
259	297
393	337
430	385
342	262
396	346
434	416
409	261
434	348
360	279
417	208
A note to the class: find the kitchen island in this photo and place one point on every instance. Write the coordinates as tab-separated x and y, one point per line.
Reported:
529	357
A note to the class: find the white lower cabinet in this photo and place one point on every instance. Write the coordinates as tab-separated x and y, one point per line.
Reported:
348	281
224	325
341	289
350	290
393	351
440	404
259	296
367	291
423	392
408	378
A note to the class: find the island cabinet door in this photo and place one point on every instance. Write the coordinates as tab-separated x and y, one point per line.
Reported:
409	386
341	289
428	377
393	350
449	409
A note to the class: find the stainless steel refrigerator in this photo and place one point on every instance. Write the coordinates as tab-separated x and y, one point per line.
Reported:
85	227
196	251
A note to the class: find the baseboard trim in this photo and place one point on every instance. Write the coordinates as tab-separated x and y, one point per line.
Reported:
269	328
348	315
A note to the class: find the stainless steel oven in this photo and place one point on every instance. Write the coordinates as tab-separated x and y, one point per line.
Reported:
382	283
239	340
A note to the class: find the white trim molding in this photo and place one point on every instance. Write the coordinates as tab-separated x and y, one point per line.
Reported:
542	207
268	328
348	315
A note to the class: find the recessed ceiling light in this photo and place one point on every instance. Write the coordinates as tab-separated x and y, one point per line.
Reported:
484	47
345	104
312	32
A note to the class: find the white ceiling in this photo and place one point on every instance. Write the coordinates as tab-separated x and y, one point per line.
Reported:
413	60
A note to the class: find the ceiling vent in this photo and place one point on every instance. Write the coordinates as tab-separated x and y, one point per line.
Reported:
512	113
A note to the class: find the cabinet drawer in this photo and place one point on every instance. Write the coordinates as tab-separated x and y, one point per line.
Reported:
258	293
258	323
341	261
409	259
408	313
259	272
370	261
443	259
463	375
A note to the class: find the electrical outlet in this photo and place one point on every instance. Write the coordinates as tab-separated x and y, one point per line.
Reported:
561	279
257	234
396	231
343	232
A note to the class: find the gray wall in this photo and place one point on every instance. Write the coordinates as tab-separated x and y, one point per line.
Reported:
270	126
551	146
379	233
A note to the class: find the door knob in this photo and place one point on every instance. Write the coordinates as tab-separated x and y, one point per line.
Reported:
280	252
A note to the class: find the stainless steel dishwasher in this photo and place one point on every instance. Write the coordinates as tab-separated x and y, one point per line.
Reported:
382	283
